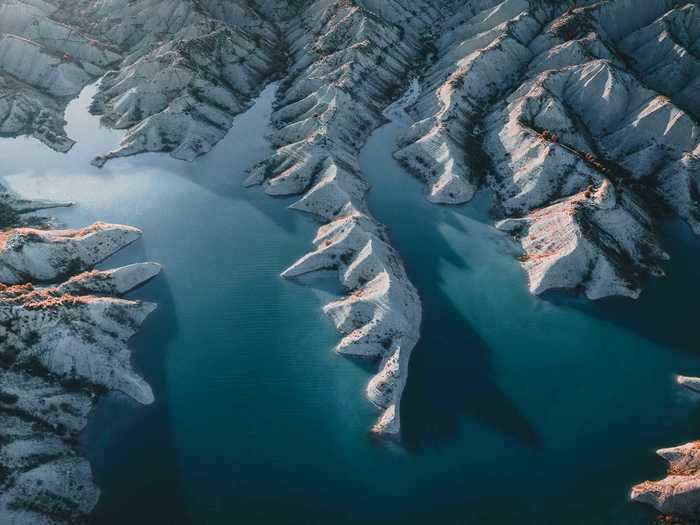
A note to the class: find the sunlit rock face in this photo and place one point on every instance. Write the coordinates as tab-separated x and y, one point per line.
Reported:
679	493
348	60
551	103
63	345
177	72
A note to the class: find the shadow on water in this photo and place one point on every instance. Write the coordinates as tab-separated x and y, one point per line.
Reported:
119	463
214	174
451	376
665	315
243	146
451	373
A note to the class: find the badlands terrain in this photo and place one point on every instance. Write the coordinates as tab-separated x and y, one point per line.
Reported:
581	117
64	332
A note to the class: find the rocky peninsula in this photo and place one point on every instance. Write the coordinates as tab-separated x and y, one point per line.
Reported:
64	332
679	493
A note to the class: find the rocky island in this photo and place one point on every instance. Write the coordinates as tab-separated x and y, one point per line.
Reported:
581	118
678	493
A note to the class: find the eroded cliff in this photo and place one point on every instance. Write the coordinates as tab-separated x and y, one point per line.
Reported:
63	333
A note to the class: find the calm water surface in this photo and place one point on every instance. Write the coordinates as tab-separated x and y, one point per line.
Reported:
517	409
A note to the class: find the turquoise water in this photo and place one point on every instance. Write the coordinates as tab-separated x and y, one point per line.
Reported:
517	409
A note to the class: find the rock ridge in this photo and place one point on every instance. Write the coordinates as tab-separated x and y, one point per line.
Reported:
63	345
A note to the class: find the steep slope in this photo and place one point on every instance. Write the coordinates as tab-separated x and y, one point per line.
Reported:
43	65
188	69
477	56
63	347
347	61
666	55
550	141
679	493
537	99
179	71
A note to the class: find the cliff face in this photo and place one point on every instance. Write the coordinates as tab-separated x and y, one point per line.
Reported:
552	103
678	493
346	63
64	332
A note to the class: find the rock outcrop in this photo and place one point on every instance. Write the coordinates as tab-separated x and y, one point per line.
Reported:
479	53
43	65
174	73
63	345
551	142
590	239
679	493
348	60
187	71
559	108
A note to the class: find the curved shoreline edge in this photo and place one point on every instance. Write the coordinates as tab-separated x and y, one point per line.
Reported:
64	328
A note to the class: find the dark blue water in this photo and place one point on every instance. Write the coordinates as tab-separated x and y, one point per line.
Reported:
517	409
551	407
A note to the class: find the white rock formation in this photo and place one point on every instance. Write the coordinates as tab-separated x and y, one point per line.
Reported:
479	53
180	93
43	64
540	96
666	55
28	254
679	493
611	81
589	240
348	60
62	346
179	70
555	138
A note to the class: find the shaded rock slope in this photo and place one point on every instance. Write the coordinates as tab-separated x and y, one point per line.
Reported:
679	493
63	345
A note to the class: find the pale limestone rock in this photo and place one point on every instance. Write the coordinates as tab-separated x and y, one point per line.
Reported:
28	254
61	347
343	74
679	493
